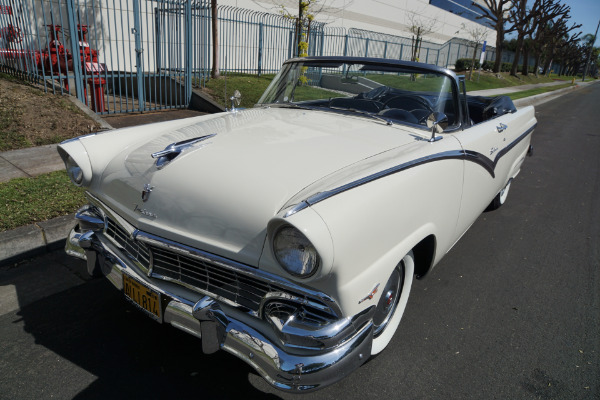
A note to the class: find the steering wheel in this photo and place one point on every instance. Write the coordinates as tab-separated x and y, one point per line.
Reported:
409	103
374	94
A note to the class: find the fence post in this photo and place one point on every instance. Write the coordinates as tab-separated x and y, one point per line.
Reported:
427	55
138	56
385	49
367	48
322	41
437	58
260	47
448	58
79	82
346	45
401	50
188	52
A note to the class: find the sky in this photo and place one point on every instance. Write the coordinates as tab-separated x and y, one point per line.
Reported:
587	13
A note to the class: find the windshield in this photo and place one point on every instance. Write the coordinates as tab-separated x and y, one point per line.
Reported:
394	93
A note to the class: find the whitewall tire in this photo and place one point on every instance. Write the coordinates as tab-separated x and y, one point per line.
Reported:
392	303
500	198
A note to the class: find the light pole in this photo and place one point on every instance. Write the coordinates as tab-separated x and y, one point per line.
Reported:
587	62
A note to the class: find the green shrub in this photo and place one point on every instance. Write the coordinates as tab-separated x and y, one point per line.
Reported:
464	64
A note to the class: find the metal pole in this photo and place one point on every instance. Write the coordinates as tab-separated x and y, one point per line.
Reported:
590	53
79	82
260	47
188	53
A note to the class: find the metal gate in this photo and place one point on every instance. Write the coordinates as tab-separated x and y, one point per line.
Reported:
114	55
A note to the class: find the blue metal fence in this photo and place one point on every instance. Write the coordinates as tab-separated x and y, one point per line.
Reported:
142	55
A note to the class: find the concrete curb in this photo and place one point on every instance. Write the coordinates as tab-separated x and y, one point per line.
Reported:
31	240
103	124
545	97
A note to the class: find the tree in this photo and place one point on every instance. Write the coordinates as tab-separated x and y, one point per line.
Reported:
215	36
307	9
589	40
496	12
569	53
557	37
477	33
526	21
419	26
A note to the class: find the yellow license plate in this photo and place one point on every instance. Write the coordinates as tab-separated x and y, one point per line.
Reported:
142	296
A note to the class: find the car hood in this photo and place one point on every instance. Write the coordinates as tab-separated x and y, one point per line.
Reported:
219	194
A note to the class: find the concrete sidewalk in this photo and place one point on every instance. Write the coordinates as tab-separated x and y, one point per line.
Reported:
37	238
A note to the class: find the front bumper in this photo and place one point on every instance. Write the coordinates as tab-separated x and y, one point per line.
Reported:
222	326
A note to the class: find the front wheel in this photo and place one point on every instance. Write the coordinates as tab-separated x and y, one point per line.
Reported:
392	303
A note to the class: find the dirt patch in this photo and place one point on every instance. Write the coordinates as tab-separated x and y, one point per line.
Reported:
30	117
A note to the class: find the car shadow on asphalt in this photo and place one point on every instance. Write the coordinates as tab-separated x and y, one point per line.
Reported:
92	326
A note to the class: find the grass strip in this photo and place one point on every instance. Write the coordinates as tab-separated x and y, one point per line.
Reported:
253	86
24	201
533	92
250	86
493	81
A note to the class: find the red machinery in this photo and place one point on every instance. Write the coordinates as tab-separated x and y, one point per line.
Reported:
59	60
89	63
56	57
11	34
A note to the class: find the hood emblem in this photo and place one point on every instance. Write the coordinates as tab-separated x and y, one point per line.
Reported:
370	295
146	191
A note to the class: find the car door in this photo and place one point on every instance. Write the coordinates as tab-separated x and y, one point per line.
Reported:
494	151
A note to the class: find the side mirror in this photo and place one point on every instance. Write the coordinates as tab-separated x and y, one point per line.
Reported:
437	122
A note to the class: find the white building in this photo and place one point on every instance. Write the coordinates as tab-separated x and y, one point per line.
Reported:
392	17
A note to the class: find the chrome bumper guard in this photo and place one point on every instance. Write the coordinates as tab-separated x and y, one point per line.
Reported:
223	327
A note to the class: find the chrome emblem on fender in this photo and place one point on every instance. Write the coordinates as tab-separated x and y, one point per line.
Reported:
146	191
370	295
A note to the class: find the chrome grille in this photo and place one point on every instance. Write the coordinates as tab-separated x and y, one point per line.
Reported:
134	249
211	277
214	279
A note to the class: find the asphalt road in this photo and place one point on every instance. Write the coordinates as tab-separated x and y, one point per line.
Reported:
512	312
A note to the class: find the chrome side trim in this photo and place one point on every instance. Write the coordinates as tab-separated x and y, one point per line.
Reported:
447	155
467	155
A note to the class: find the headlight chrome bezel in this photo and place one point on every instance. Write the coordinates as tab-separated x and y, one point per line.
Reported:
74	171
77	162
302	245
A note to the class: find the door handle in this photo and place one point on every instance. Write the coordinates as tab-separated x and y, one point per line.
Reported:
501	128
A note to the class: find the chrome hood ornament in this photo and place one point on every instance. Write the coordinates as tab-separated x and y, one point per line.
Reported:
146	191
174	149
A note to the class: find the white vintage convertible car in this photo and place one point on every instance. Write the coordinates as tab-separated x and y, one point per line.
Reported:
289	234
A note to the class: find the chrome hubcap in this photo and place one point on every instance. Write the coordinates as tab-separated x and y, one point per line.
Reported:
389	300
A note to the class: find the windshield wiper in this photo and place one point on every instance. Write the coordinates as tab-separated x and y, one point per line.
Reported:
294	105
366	114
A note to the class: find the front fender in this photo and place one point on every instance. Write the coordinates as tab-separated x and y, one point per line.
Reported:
375	225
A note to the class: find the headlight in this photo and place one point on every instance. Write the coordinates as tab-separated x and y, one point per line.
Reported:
77	162
295	253
74	171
